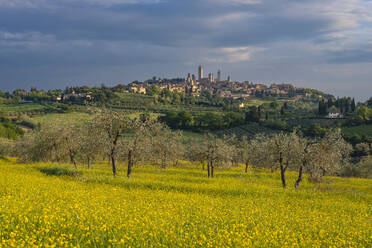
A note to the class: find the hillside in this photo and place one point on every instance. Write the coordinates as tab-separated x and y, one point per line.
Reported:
177	207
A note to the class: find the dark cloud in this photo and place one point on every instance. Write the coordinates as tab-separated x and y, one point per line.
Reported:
70	40
351	55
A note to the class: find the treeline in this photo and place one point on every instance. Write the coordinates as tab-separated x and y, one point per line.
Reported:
202	121
210	121
112	136
357	114
342	105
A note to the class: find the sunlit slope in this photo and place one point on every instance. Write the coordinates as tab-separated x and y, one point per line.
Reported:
179	207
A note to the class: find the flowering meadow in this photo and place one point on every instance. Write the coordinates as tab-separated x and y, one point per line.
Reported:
178	207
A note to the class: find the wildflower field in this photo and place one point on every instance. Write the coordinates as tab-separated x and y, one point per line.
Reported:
49	205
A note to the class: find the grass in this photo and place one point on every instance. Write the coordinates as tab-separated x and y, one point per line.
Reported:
178	207
21	107
76	117
63	118
59	171
360	130
255	102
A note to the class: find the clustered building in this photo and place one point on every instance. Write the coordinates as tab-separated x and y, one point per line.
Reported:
215	85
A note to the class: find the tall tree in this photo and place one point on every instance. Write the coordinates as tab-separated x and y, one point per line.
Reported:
353	106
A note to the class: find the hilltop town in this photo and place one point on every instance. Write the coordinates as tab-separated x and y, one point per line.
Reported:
226	88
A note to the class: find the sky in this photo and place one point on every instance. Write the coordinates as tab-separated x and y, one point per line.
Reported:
319	44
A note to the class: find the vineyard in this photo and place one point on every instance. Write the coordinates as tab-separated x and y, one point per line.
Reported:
359	130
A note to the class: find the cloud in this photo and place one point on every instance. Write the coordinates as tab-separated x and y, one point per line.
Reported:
37	4
270	37
235	2
361	55
231	54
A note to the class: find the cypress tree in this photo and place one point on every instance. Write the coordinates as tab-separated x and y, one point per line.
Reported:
353	105
330	103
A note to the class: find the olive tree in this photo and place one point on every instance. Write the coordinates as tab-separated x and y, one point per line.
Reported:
287	147
6	147
194	153
247	151
91	146
135	145
330	154
166	147
235	152
70	142
279	151
109	127
307	157
216	152
42	144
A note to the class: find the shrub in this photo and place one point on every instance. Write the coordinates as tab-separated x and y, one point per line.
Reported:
362	169
59	171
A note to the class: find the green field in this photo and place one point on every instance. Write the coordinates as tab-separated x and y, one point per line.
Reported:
255	102
177	207
360	130
76	117
63	119
21	107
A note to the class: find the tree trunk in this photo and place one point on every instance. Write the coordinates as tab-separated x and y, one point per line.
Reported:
282	175
163	163
299	179
246	167
88	158
212	169
203	165
113	164
72	159
130	163
282	170
209	170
